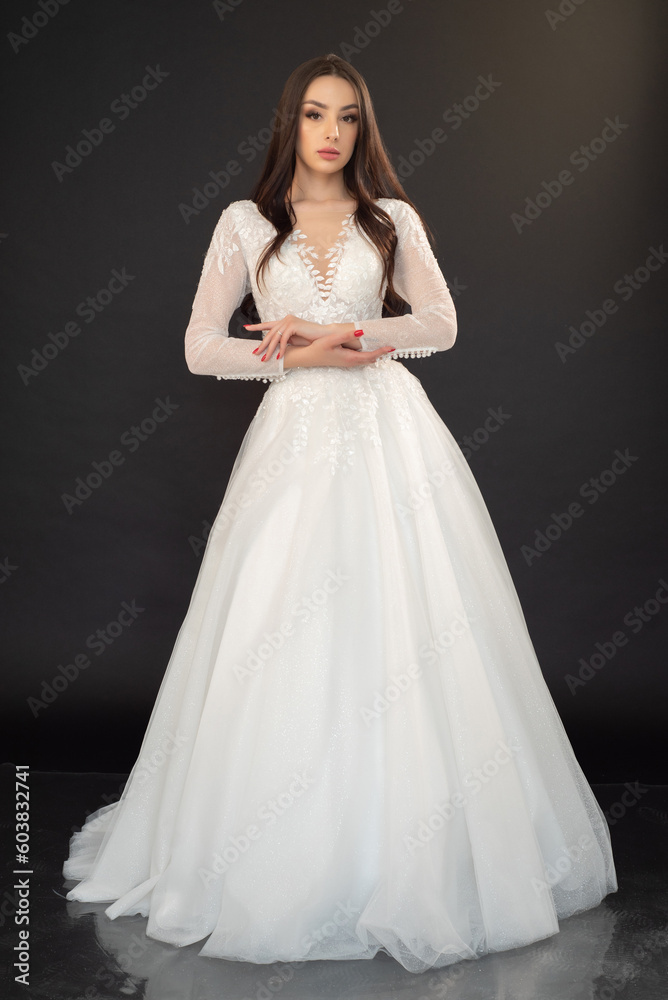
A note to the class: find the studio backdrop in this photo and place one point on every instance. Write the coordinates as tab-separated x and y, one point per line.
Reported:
531	138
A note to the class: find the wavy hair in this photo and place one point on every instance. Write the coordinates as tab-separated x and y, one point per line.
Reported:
367	175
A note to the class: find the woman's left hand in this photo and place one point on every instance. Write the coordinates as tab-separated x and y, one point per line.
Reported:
290	329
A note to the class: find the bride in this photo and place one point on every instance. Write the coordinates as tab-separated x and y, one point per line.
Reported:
353	748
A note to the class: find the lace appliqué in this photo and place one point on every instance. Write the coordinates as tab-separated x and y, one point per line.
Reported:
223	245
349	408
333	255
349	286
344	406
233	226
416	237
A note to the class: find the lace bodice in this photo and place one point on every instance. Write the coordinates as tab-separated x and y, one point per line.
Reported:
295	283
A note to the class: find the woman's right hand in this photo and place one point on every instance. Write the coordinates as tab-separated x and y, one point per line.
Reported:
328	351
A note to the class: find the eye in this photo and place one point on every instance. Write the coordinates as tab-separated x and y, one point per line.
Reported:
352	118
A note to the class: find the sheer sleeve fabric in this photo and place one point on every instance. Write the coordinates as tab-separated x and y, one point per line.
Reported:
432	325
223	283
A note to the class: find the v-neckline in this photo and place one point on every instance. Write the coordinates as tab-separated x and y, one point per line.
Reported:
323	282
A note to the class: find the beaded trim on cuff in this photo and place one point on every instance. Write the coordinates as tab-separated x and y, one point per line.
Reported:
266	378
401	352
412	352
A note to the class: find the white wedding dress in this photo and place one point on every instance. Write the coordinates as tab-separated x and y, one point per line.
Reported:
353	747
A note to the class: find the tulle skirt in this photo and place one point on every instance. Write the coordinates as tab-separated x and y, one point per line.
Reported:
353	747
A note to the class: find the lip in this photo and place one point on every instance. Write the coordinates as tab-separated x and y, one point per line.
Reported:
328	154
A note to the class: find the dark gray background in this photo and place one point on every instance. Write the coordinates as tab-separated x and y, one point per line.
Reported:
67	574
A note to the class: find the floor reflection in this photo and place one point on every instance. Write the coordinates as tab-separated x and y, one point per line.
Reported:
619	951
567	964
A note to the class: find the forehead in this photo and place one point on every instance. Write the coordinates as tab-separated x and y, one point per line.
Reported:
330	90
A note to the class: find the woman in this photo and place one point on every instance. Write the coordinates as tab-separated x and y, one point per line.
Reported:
353	747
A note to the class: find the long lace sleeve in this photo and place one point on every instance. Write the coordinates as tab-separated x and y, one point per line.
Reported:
222	286
432	325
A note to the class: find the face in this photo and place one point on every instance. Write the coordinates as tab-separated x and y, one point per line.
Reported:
328	118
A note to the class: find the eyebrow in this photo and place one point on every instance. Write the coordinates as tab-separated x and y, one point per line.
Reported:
344	107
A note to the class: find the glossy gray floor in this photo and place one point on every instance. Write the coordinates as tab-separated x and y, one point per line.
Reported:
619	950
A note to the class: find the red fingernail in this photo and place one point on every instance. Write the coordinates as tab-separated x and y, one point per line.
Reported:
391	348
246	325
358	333
278	355
256	350
264	356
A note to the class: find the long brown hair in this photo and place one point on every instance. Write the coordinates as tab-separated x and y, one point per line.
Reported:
368	174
